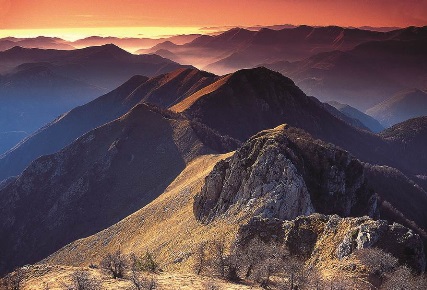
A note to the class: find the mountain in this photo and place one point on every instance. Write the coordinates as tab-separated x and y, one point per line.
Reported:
283	173
247	102
413	135
354	113
10	138
38	85
119	184
31	97
41	42
403	106
239	48
132	43
278	173
340	115
101	178
363	76
252	100
164	91
106	66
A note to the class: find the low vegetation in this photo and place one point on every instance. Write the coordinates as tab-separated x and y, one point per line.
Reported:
271	266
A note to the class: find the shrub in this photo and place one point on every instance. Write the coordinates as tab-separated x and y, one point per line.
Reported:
81	280
115	264
377	261
147	263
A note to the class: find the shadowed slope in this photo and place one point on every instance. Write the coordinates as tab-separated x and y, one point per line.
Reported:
401	107
162	90
102	177
371	123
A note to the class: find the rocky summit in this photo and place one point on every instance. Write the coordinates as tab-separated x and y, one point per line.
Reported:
283	173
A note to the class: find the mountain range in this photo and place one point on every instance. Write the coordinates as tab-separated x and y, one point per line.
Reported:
403	106
208	114
42	84
297	157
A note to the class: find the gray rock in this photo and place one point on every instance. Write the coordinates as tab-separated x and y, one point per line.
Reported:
283	173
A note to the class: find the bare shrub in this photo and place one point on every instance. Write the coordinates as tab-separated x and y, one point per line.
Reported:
211	285
403	278
115	264
257	260
377	261
141	283
81	280
200	258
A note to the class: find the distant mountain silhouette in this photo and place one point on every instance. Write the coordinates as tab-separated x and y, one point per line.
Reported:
371	123
363	76
105	66
239	48
401	107
132	43
37	85
33	96
41	42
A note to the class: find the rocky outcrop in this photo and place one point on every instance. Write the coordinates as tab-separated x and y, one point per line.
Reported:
283	173
321	238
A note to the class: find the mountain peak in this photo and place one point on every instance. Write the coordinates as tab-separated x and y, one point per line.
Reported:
260	74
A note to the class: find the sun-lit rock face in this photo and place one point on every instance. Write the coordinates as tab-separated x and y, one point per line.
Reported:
283	173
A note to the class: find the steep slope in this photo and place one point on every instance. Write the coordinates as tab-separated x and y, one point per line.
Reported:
402	199
102	177
340	115
401	107
371	123
68	127
162	90
9	139
413	135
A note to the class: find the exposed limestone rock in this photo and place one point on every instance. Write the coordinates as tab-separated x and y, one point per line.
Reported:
321	238
283	173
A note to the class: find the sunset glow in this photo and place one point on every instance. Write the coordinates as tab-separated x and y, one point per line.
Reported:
79	18
72	34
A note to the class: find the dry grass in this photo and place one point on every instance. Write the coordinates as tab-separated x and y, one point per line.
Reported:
54	277
190	100
166	227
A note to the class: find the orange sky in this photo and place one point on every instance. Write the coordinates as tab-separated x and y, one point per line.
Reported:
31	14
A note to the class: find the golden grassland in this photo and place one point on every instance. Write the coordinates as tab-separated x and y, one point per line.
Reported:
42	276
166	227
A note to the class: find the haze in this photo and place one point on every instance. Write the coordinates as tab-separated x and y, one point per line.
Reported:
79	18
